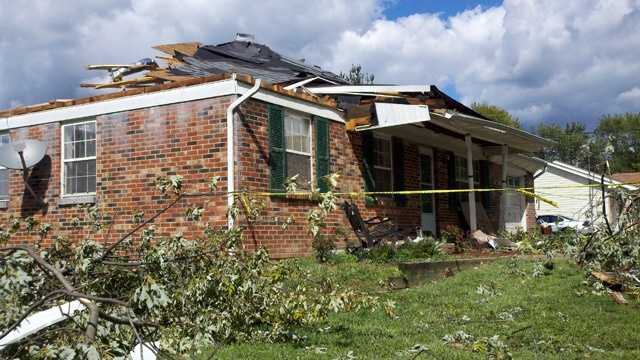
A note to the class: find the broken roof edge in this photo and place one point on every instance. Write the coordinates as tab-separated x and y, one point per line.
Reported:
516	131
56	104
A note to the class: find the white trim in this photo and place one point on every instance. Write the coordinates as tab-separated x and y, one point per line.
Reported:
63	161
165	97
341	89
302	106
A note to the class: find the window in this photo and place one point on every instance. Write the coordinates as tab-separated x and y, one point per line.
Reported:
382	159
461	172
79	158
513	182
4	173
297	138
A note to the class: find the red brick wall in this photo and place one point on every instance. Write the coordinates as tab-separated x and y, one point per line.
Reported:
133	148
345	155
189	139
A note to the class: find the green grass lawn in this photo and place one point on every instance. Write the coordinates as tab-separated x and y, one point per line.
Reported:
535	317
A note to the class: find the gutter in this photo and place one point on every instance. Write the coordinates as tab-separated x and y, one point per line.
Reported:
230	145
544	169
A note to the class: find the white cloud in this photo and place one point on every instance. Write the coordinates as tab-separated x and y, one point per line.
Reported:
45	46
541	59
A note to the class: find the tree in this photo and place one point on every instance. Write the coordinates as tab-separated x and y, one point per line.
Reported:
622	133
496	114
572	144
356	76
185	294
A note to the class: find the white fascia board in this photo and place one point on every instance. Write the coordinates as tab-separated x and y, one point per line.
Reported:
288	102
300	83
159	98
355	89
165	97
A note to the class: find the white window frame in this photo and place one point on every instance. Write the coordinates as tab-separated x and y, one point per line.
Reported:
309	118
3	198
385	137
63	161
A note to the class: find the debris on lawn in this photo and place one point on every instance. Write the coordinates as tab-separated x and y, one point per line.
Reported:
510	314
413	352
492	346
489	290
316	349
618	297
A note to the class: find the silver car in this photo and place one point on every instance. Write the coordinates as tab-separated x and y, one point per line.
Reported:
561	222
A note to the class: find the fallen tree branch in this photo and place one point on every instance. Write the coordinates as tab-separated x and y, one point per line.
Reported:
50	296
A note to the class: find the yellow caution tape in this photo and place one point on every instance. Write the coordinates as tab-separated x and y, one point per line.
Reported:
536	196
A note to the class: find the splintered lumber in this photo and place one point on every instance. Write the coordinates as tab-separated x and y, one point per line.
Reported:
187	48
109	66
355	122
138	81
165	75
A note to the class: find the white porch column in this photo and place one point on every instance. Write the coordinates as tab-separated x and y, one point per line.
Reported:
473	222
503	195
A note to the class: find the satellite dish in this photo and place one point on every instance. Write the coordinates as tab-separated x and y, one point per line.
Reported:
22	155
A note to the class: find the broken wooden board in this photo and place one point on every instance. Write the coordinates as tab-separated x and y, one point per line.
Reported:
137	81
187	48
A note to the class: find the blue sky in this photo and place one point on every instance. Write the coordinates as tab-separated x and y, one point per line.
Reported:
542	60
400	8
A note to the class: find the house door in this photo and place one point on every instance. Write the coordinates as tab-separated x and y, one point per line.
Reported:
427	204
514	205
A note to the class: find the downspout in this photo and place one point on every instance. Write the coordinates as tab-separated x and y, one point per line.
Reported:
544	170
230	145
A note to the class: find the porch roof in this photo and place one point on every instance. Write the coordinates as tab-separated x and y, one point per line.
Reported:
404	116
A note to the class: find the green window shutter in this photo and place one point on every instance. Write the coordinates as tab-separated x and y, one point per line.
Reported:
277	155
397	150
322	153
368	161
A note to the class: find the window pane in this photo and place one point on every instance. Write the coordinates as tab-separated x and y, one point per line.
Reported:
78	149
382	177
90	131
5	138
91	148
68	134
382	152
78	132
79	140
80	177
91	184
4	183
81	183
297	133
300	165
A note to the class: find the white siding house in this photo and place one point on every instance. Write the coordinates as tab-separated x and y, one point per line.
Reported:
565	184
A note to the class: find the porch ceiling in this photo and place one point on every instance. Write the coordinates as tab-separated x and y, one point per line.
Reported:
408	117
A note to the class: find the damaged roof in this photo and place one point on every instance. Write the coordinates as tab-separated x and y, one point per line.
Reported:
246	57
193	60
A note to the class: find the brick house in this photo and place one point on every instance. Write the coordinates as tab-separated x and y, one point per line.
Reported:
107	150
